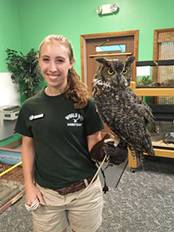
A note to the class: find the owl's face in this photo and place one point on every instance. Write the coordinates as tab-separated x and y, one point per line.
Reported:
113	73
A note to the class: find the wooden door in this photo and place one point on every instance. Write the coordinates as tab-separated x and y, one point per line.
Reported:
111	45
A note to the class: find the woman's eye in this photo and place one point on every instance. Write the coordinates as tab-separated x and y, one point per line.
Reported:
45	59
59	61
110	71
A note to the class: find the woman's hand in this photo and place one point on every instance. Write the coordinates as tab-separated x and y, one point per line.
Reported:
32	193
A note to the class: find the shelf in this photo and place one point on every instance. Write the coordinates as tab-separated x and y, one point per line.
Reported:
154	91
151	91
155	63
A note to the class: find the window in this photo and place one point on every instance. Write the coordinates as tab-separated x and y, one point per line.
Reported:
112	48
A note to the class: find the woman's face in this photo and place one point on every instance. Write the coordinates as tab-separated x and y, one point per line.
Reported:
54	64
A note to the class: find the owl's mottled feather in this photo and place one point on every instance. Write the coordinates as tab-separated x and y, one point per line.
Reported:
124	113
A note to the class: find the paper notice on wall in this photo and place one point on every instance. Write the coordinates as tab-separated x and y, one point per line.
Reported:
143	71
9	94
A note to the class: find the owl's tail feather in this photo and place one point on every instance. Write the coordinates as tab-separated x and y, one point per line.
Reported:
137	154
148	147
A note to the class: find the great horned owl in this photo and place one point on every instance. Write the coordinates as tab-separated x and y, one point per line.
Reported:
124	113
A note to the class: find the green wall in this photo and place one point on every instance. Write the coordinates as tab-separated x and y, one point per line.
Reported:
10	36
72	18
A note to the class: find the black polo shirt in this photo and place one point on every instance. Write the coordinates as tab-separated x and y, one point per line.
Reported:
60	135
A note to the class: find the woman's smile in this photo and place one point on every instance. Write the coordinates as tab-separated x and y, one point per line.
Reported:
54	64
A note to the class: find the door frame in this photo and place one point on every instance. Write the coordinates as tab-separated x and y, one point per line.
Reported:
85	37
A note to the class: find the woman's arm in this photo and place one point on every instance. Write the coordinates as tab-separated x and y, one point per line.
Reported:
32	192
93	139
27	160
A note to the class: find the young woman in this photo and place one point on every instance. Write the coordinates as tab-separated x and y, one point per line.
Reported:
59	126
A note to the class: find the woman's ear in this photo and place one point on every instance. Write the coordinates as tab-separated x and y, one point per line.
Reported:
70	67
70	71
71	64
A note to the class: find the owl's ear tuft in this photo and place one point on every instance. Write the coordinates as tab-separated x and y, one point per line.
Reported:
130	60
101	60
104	61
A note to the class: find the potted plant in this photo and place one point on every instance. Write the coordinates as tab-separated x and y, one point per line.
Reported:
24	69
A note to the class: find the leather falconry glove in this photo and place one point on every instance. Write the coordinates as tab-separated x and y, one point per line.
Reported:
113	147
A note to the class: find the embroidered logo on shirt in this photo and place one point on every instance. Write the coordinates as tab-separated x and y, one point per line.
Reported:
33	117
74	119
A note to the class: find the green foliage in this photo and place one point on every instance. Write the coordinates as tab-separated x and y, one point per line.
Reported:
145	81
24	69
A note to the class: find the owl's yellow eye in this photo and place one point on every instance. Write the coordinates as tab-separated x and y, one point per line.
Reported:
110	71
124	71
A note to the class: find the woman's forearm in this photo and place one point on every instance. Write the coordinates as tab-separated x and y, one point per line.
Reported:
32	193
93	139
28	160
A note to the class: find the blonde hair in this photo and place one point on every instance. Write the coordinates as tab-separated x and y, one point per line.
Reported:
76	90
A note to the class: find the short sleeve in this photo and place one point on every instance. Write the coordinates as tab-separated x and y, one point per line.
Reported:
93	122
23	126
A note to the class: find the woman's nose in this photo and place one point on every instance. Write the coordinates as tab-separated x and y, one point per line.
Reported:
52	66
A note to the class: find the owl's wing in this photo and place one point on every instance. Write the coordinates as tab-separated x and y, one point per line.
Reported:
131	128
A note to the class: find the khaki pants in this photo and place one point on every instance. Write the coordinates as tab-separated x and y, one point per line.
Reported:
82	210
